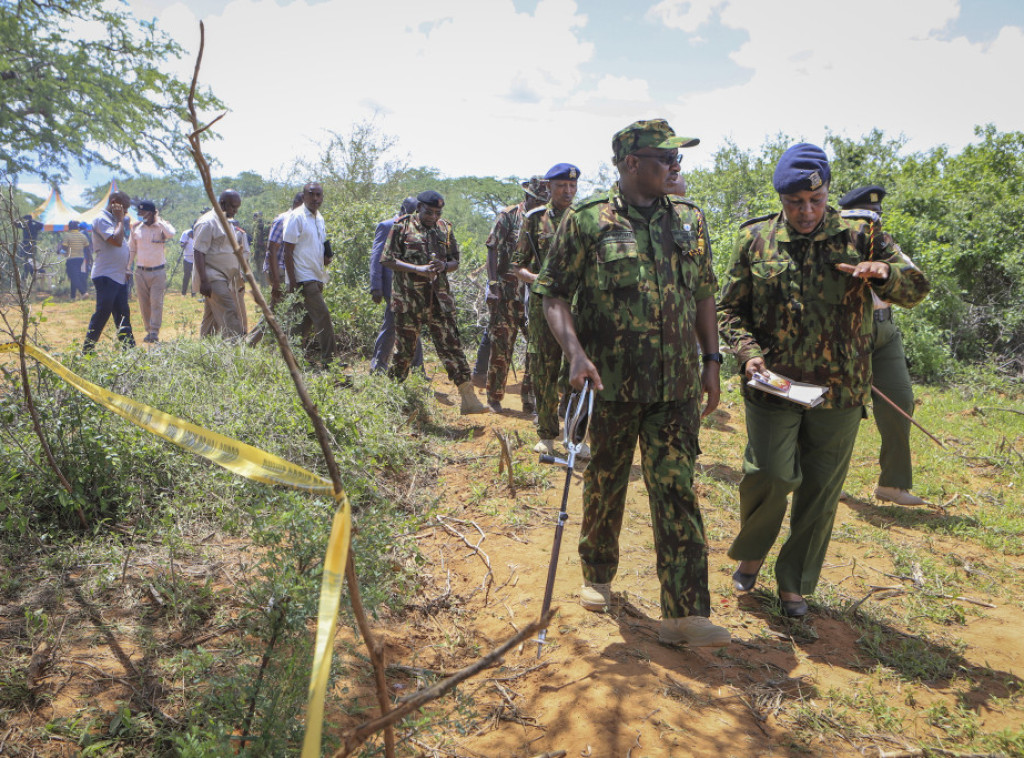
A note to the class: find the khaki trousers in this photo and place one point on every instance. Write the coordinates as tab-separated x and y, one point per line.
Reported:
150	287
220	311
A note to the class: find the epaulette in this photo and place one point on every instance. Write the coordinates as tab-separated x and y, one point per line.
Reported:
538	209
757	220
676	200
861	214
600	197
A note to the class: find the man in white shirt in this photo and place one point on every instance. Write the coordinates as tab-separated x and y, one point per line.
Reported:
150	266
306	265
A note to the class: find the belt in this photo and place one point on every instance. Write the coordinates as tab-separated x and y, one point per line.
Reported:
883	314
151	268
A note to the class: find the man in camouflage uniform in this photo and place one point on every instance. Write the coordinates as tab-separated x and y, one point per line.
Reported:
639	267
797	301
503	292
889	374
543	351
422	251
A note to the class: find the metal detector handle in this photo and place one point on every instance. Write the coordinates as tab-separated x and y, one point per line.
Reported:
577	416
548	459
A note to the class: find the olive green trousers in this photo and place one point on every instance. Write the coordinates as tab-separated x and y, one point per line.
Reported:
890	375
806	452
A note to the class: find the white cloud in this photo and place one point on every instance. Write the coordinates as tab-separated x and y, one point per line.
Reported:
475	87
687	15
831	65
457	81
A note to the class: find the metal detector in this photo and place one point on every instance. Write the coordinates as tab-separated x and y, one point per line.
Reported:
577	419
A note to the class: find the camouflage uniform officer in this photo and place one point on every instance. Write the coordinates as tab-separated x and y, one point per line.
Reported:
797	301
422	251
544	352
639	267
503	296
889	374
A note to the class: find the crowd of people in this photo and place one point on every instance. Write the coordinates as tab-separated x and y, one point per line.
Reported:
617	290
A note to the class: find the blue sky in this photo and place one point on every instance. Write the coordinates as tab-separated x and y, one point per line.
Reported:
510	87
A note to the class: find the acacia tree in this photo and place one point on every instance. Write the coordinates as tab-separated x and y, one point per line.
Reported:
82	84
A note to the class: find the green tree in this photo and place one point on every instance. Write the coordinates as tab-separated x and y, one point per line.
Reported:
82	84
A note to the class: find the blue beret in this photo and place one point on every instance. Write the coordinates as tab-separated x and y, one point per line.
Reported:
431	197
408	206
802	167
872	194
562	171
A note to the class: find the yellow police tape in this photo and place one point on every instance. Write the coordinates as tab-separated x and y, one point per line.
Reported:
258	465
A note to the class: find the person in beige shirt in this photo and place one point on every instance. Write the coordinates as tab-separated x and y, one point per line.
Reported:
217	270
148	263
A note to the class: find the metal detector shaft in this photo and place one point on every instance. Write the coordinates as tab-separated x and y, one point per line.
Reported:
577	419
556	546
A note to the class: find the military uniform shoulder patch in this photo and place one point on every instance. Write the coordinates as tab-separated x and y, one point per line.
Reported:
861	214
757	220
600	197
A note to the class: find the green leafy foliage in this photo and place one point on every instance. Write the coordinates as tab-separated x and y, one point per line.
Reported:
82	82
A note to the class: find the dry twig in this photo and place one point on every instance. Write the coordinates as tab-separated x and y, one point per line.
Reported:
362	732
489	576
505	461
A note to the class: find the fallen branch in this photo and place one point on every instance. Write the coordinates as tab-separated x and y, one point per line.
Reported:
489	576
1004	410
361	733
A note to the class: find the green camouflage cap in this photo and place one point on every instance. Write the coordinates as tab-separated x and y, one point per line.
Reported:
536	186
655	133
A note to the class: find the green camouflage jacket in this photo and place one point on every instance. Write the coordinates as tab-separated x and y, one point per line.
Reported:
413	243
535	237
636	283
783	299
501	248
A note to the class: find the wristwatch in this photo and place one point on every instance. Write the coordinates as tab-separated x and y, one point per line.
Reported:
708	357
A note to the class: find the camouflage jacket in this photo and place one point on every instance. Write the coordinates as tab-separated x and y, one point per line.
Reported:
783	299
501	247
411	242
636	283
535	237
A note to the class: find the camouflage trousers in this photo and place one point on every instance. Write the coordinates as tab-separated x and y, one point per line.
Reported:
545	360
667	433
503	327
443	331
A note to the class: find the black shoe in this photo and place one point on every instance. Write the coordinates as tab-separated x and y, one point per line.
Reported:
743	582
495	407
794	609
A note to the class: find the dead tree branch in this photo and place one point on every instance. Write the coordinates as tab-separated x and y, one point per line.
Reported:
373	647
361	733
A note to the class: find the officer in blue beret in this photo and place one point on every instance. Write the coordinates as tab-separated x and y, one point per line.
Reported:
889	375
866	198
544	354
797	302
